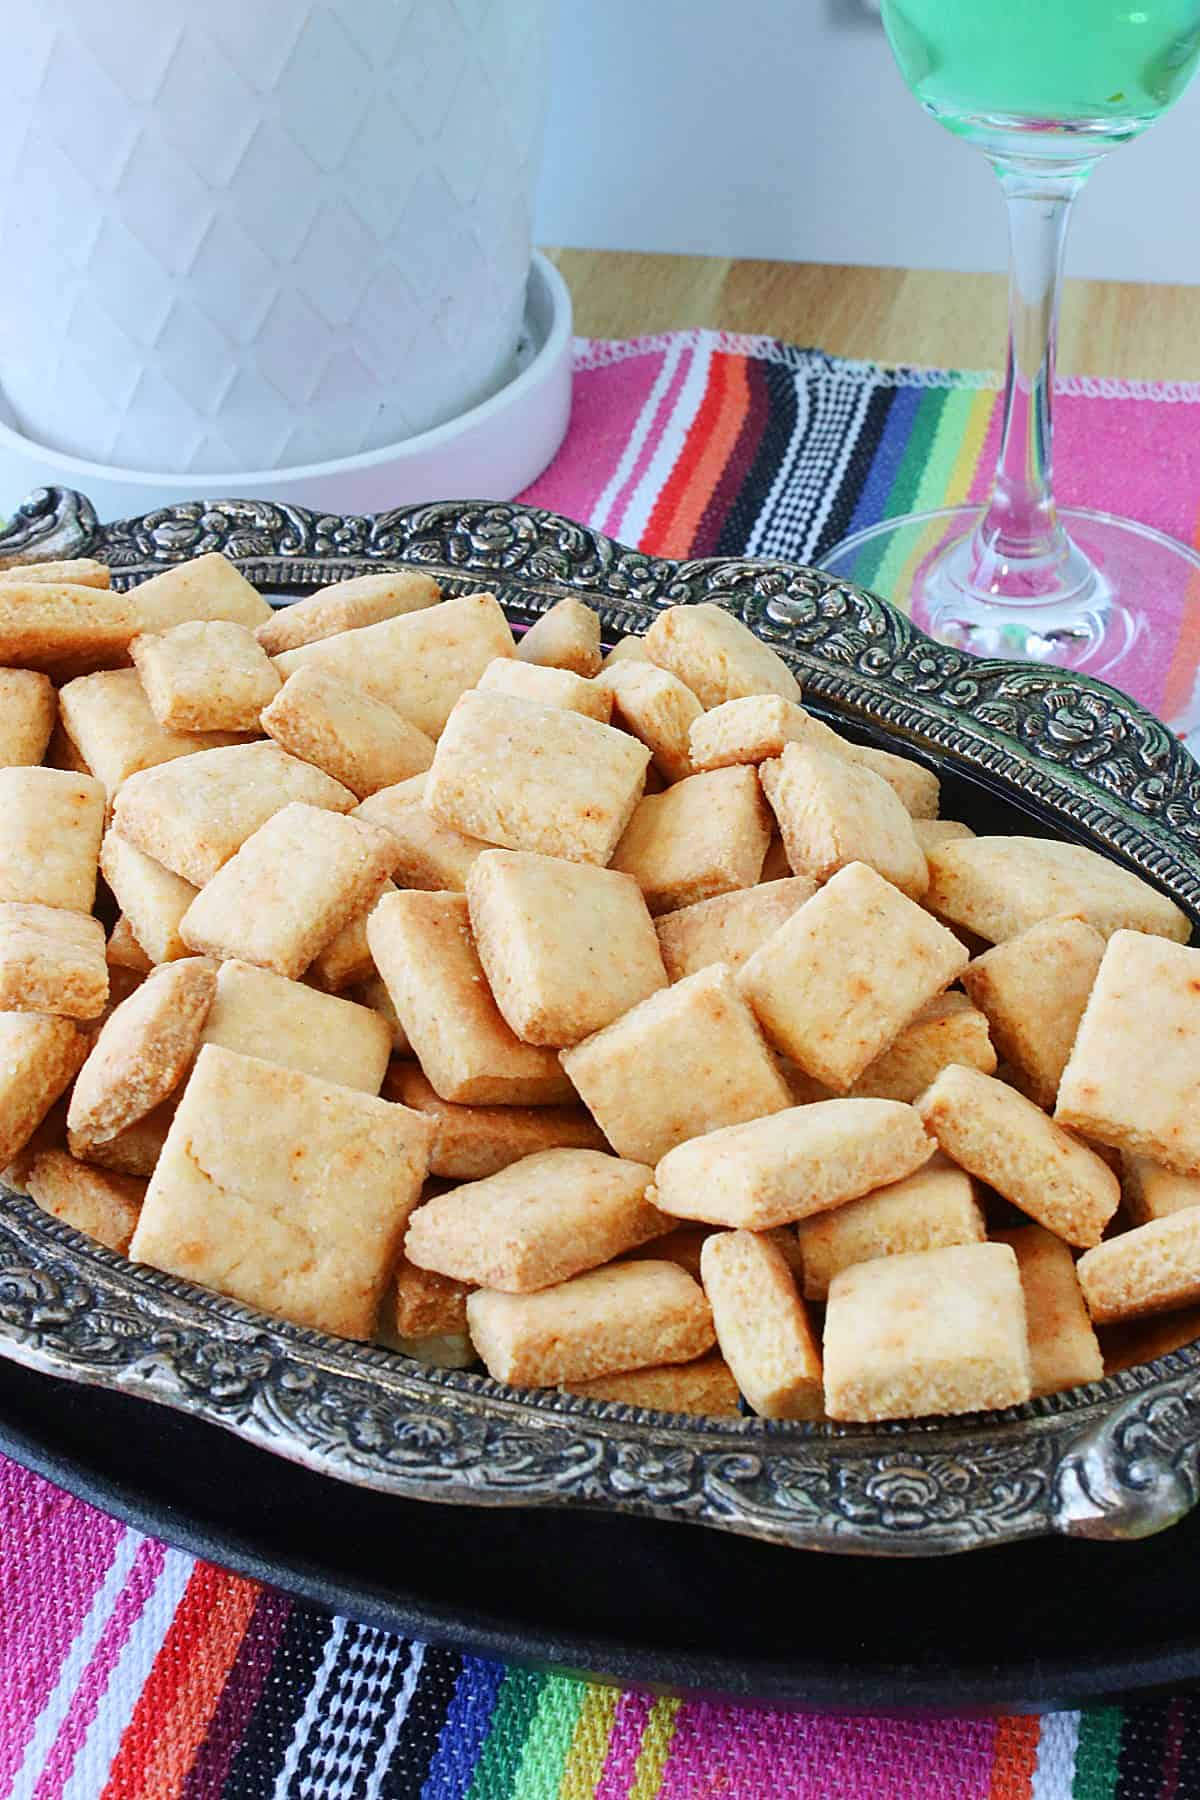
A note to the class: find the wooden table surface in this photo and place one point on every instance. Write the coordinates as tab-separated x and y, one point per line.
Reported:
889	315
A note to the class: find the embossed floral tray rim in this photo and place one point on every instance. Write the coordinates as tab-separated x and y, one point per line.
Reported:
1115	1460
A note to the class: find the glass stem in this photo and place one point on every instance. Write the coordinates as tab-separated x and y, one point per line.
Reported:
1020	549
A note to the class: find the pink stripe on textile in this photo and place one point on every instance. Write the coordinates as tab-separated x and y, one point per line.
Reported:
605	406
624	1743
56	1553
760	1755
94	1681
645	456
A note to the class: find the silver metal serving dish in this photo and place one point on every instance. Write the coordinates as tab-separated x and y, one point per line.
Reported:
1114	1460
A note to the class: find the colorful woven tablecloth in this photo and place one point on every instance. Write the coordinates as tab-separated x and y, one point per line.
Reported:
128	1669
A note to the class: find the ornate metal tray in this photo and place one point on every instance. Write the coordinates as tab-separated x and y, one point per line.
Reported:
1114	1460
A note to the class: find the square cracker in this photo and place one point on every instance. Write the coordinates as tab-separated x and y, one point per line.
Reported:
136	1150
1151	1192
657	708
39	1058
287	1193
540	1221
729	928
471	1142
422	1304
345	606
124	952
945	1030
433	856
346	958
418	663
1063	1351
108	718
566	637
1033	989
50	827
205	675
532	777
626	649
547	687
58	625
804	1160
932	833
151	897
142	1052
101	1204
193	815
1153	1268
291	887
80	571
424	951
28	710
358	740
1007	1141
762	1326
717	656
566	947
833	812
686	1060
925	1211
1000	886
260	1014
935	1332
839	980
206	587
703	837
51	961
1133	1079
704	1388
627	1316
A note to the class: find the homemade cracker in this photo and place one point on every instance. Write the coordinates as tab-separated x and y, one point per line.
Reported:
728	928
432	856
626	649
58	625
345	606
260	1014
152	898
532	777
705	836
539	1221
547	687
136	1150
717	656
1153	1268
833	812
142	1052
102	1205
840	979
205	675
801	1161
945	1030
80	571
687	1060
287	1193
425	1304
420	662
346	958
566	947
1152	1192
51	961
1144	1339
657	708
762	1327
936	1332
682	1245
1134	1074
291	887
628	1316
50	827
358	740
1063	1351
566	637
108	718
193	815
998	887
704	1388
204	587
470	1142
423	949
925	1211
1033	989
28	710
124	952
1007	1141
373	993
39	1058
932	833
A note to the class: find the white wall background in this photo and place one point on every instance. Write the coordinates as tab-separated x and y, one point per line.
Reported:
781	128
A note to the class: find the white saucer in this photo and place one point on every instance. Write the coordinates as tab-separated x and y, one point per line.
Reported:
489	453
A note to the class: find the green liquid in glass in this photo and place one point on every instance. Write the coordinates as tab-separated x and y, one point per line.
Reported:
1029	65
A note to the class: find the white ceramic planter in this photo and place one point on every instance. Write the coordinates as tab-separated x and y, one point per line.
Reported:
259	234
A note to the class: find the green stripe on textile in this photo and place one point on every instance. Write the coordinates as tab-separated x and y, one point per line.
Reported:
1098	1754
904	488
500	1758
548	1744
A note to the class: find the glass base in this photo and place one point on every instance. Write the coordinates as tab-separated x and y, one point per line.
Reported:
1120	584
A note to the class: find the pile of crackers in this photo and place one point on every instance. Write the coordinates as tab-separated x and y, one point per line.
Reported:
610	1019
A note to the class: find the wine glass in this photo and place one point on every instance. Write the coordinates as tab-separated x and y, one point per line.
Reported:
1044	88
